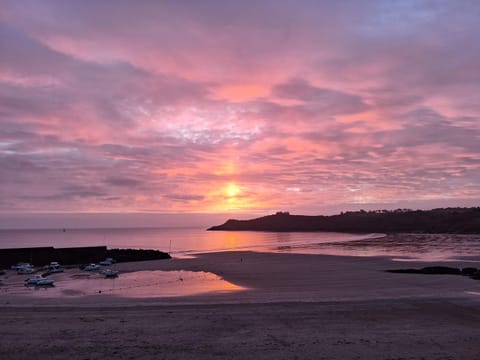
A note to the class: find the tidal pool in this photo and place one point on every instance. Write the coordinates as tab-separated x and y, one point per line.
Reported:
138	284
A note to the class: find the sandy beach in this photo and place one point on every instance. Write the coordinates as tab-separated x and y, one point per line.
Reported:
263	305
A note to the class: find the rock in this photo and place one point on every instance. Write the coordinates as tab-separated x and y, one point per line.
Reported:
469	271
430	270
405	271
476	276
440	270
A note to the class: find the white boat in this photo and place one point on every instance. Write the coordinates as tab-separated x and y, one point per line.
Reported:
55	269
109	273
21	265
107	261
91	267
25	270
39	280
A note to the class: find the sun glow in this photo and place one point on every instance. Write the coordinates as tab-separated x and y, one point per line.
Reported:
232	190
231	196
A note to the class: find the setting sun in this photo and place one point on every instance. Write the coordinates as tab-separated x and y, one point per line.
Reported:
232	190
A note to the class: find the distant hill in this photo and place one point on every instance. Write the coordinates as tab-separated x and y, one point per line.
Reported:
445	220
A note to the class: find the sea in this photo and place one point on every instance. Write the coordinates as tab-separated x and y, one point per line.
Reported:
186	242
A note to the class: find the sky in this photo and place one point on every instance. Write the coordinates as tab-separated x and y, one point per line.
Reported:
178	107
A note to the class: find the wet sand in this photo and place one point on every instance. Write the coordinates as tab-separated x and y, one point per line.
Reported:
292	306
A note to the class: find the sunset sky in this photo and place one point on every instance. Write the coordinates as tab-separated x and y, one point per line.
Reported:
238	106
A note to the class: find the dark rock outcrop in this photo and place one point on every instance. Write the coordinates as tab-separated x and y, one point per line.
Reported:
469	271
432	270
126	255
473	273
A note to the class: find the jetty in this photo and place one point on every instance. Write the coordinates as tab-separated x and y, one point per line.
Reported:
39	256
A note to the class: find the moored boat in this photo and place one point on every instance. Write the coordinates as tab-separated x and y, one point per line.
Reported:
91	267
109	273
20	265
39	280
54	267
107	261
25	269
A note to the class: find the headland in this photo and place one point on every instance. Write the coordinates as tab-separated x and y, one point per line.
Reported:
436	221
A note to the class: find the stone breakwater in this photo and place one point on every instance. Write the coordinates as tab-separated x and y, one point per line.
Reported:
39	256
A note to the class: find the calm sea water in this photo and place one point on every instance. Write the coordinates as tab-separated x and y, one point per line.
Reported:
182	242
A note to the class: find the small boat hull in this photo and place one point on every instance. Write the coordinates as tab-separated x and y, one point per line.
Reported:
39	281
109	273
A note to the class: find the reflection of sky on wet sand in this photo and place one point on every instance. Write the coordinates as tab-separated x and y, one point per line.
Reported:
420	247
139	284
